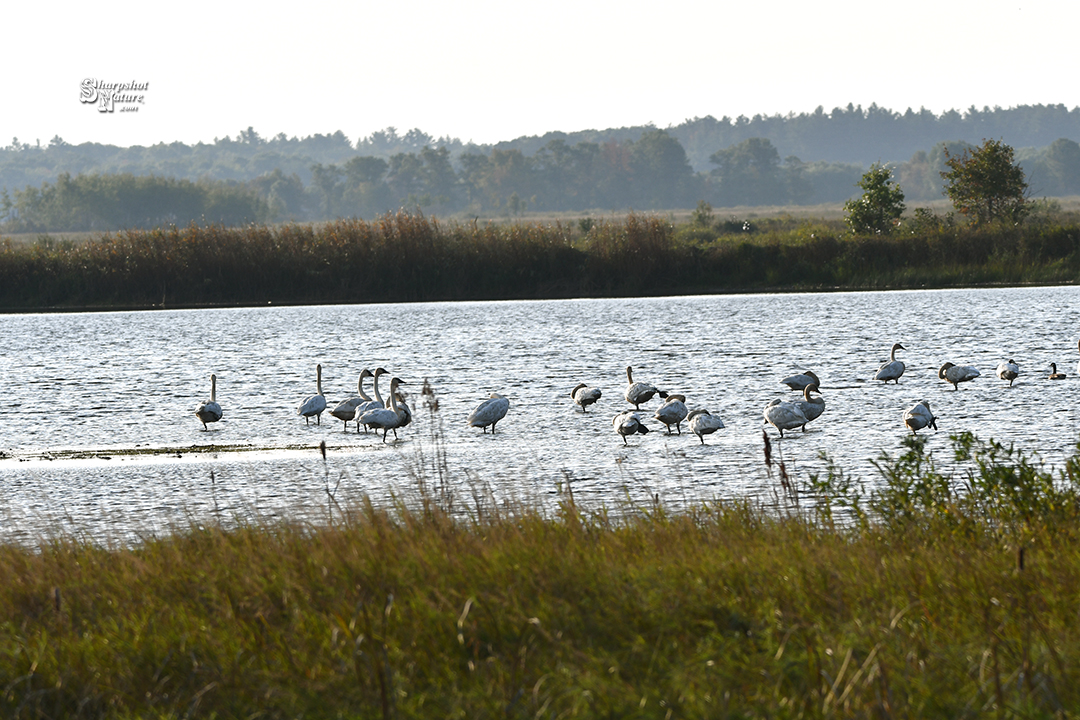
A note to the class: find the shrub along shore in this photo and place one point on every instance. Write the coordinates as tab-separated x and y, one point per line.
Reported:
417	258
927	596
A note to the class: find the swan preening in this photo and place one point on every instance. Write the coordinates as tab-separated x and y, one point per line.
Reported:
209	411
957	374
314	404
800	381
790	414
628	422
489	412
1008	371
584	395
672	412
919	416
639	392
702	423
1054	374
893	369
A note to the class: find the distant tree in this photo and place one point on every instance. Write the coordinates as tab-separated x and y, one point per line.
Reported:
1062	162
660	174
879	207
749	173
986	185
702	215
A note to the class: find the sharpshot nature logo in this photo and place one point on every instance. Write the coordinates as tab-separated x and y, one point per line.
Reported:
108	95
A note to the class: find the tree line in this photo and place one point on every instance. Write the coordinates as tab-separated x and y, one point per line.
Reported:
651	171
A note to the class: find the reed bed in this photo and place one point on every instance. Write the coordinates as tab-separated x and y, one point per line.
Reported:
925	594
406	257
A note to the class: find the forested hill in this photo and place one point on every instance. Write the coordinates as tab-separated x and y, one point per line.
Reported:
802	159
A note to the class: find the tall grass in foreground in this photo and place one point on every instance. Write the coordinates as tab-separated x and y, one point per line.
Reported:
927	596
405	257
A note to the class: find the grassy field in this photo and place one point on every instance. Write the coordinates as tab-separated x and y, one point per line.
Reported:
926	596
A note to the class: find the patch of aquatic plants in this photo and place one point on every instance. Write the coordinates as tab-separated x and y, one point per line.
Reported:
406	257
932	593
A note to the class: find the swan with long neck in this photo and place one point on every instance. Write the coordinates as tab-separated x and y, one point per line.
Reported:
784	415
800	381
385	418
584	395
375	404
893	369
956	374
314	404
639	392
811	407
346	409
209	411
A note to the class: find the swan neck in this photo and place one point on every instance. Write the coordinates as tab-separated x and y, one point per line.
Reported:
213	388
378	397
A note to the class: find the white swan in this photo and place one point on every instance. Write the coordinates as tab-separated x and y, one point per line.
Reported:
957	374
489	412
1054	374
784	415
346	409
639	392
375	404
893	369
811	407
1008	371
208	410
584	395
384	418
919	416
672	412
628	422
314	404
800	381
703	423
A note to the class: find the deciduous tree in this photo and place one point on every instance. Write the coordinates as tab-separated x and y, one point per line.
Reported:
879	207
986	185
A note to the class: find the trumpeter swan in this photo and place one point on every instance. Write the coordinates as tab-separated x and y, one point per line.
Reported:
893	369
672	412
800	381
628	422
784	415
584	395
314	404
346	409
1008	371
489	412
385	418
957	374
811	407
375	404
639	392
209	411
703	423
919	416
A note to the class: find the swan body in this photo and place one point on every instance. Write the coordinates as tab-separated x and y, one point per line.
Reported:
639	392
919	416
957	374
672	412
800	381
811	407
377	404
1054	374
584	395
314	404
209	411
489	412
893	369
784	415
384	418
1008	371
703	423
628	423
346	409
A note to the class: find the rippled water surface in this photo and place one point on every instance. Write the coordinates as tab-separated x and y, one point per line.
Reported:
107	383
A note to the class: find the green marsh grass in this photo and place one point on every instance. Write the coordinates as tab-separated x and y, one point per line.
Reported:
923	594
406	257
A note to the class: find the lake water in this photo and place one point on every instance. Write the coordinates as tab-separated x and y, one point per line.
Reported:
106	383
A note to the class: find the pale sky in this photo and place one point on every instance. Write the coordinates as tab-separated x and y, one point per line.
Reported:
488	71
